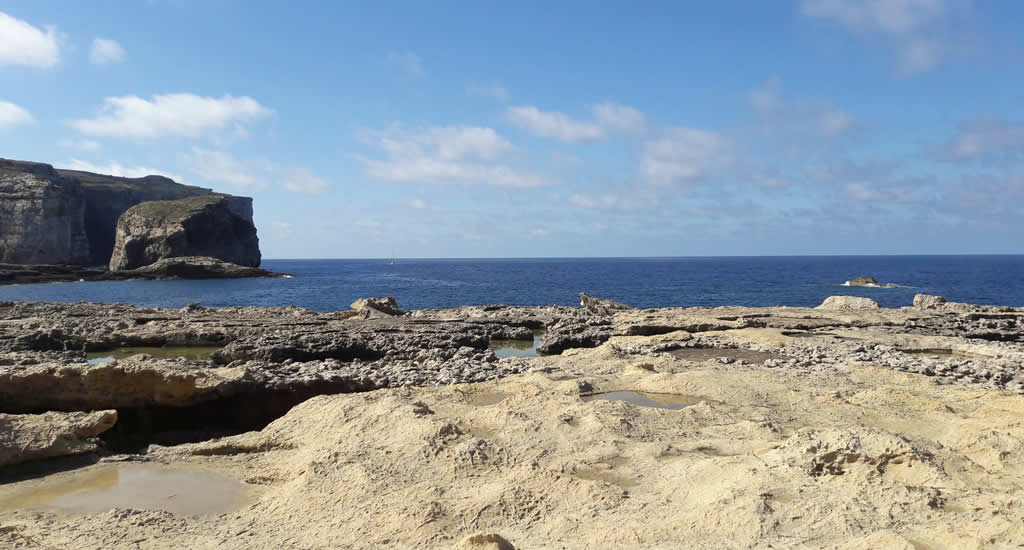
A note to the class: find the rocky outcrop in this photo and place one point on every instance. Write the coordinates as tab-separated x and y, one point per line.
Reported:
869	282
41	216
600	306
376	307
107	197
848	303
189	267
25	437
196	226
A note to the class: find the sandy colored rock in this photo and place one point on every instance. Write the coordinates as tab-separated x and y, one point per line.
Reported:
25	437
848	302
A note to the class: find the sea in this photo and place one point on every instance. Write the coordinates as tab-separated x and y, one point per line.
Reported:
332	285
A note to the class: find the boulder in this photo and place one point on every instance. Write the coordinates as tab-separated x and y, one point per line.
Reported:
848	303
371	307
25	437
42	216
195	226
485	542
928	301
600	306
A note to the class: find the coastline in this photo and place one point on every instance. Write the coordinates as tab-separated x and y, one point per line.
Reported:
812	419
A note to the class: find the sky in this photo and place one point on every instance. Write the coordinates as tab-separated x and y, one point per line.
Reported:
544	129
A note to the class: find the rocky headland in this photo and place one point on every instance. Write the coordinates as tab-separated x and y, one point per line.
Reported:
54	222
842	426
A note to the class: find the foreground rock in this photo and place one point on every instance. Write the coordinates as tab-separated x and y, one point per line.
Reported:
53	434
196	226
42	216
848	302
837	428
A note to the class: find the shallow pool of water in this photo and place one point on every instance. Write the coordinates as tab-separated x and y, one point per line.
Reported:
515	348
938	353
671	401
100	488
195	353
699	355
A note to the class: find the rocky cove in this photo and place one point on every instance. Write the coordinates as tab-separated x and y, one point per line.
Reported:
842	426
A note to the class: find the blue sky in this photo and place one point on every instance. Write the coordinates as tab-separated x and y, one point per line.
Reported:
479	129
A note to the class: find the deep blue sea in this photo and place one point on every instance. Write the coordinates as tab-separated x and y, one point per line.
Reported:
329	285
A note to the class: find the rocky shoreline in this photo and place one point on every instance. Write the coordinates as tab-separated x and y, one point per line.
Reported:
314	399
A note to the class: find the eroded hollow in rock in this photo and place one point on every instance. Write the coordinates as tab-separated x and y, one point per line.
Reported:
139	427
670	401
194	353
701	354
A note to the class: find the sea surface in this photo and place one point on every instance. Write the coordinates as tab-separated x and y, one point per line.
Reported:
330	285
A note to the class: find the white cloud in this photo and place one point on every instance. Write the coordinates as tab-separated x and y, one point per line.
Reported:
119	170
181	115
907	23
553	125
444	155
105	51
621	118
683	155
253	174
890	16
834	121
408	62
86	145
12	115
26	45
797	115
493	90
987	139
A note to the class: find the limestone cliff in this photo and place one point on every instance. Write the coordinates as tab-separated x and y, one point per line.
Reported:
42	216
107	197
196	226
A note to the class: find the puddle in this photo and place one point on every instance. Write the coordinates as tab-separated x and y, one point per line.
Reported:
195	353
145	487
670	401
806	334
486	399
516	348
699	355
937	353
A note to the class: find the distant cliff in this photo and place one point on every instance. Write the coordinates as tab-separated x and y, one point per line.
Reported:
194	226
42	216
50	216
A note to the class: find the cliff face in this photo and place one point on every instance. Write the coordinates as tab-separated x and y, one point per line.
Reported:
196	226
42	216
107	197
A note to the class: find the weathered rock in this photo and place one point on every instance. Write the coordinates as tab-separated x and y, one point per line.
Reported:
189	267
107	197
927	301
387	305
196	226
485	542
41	216
25	437
600	306
848	302
863	281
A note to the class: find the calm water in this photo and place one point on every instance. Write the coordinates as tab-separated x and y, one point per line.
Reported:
329	285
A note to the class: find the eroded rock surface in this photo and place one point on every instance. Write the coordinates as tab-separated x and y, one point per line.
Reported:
42	216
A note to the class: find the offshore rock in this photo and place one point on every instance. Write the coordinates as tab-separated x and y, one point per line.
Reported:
107	197
25	437
41	216
196	226
848	302
600	306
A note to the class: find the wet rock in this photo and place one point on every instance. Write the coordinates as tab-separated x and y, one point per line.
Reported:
848	303
863	281
26	437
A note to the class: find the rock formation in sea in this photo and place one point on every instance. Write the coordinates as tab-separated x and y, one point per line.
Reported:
41	216
195	226
51	217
